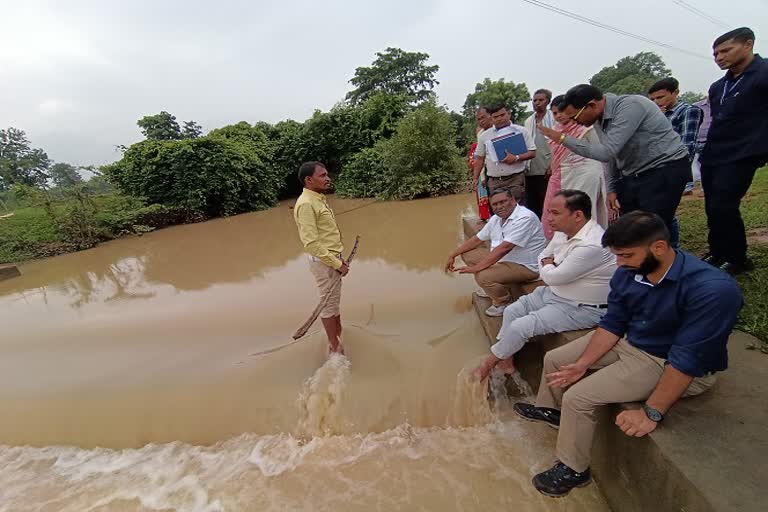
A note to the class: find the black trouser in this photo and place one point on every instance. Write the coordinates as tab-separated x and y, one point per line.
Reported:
656	190
725	186
535	190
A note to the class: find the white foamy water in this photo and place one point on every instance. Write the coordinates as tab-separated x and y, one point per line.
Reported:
470	466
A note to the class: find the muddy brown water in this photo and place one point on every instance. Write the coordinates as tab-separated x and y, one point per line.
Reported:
159	373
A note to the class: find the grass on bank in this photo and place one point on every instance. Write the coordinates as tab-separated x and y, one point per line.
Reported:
754	210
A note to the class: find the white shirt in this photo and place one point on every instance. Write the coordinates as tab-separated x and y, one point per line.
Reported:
583	267
485	149
523	229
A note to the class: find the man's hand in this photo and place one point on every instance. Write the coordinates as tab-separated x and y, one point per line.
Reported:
549	132
635	423
449	265
344	269
568	374
507	366
548	172
474	184
613	202
481	372
548	261
510	158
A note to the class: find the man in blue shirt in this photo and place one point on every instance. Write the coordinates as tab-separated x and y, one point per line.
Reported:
737	145
664	337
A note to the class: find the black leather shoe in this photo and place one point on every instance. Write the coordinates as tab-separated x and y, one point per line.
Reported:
712	259
560	480
737	268
543	414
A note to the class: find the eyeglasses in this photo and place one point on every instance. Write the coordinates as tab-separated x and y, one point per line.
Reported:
578	113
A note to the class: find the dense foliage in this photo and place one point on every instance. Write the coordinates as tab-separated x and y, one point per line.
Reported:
211	175
635	75
420	159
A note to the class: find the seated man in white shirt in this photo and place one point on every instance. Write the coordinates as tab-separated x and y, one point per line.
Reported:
577	270
516	240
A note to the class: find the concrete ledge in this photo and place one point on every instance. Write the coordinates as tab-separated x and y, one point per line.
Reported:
709	454
9	271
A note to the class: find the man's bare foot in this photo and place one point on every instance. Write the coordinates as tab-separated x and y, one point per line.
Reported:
506	366
339	349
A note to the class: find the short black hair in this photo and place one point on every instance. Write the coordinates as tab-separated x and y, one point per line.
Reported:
636	229
576	200
579	95
545	92
558	101
741	35
495	107
665	84
307	169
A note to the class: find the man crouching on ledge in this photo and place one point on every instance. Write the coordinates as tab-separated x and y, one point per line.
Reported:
664	337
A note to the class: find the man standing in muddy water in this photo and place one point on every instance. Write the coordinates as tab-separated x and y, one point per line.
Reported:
321	238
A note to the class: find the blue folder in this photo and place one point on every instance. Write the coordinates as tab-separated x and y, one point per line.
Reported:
513	142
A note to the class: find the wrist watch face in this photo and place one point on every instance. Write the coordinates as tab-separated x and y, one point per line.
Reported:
653	414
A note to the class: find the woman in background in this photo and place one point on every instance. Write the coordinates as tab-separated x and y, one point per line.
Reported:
574	172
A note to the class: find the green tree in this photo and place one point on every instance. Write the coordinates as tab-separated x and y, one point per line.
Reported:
631	75
691	97
488	92
421	159
210	175
191	130
395	71
164	126
19	163
65	175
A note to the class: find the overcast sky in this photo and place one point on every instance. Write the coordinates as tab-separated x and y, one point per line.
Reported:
76	75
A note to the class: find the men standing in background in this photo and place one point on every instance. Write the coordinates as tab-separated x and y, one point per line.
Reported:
685	119
537	172
737	145
509	172
648	166
321	238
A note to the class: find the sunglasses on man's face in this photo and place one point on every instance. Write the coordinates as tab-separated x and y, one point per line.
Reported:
576	117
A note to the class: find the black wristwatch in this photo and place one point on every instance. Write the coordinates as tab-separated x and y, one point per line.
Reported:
653	414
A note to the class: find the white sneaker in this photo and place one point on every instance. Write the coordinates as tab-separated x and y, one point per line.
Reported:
496	310
481	293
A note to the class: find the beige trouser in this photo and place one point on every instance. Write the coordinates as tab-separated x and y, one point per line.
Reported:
328	281
625	374
502	281
514	183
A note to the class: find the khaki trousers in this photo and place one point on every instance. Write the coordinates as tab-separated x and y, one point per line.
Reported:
327	279
625	374
514	183
502	281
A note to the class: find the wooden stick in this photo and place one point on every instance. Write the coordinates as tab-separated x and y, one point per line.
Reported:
331	289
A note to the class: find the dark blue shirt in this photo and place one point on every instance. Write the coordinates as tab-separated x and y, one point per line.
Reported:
686	318
739	107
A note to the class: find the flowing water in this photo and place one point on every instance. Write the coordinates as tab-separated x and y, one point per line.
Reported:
159	373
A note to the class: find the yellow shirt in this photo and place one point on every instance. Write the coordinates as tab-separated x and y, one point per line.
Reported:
318	230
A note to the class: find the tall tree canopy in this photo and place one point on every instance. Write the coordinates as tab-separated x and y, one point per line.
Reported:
65	175
395	72
691	97
163	126
19	163
631	75
488	92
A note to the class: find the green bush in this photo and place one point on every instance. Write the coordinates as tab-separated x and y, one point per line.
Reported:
215	176
421	159
363	175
